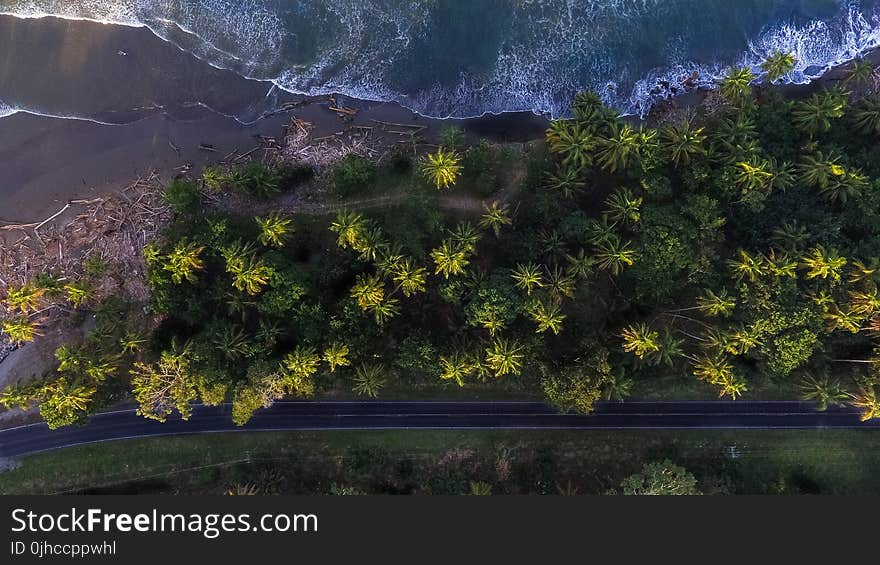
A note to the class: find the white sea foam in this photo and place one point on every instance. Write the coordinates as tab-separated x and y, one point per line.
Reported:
553	49
6	110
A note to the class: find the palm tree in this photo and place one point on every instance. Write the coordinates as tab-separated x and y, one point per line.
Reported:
371	244
491	320
732	385
780	265
449	259
480	488
860	72
390	260
580	266
274	229
865	303
253	275
815	114
132	343
528	277
267	333
496	216
720	304
783	175
236	256
467	236
733	131
184	261
823	391
790	237
683	142
640	340
848	320
455	367
231	342
547	317
369	380
614	255
566	180
842	189
350	226
441	168
385	310
589	110
753	174
778	64
368	290
336	355
302	362
624	207
601	231
79	293
747	267
819	170
559	284
859	272
620	148
669	349
26	298
866	117
504	357
736	86
867	400
573	142
410	278
713	369
718	340
20	330
552	242
616	387
823	264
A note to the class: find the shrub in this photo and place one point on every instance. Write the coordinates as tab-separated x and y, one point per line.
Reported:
294	175
480	169
451	138
216	178
183	196
352	172
257	180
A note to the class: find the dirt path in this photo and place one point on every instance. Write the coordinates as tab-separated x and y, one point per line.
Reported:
317	205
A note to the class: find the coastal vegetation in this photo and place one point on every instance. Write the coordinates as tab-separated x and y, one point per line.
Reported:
733	252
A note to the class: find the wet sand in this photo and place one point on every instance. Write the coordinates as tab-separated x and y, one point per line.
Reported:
151	94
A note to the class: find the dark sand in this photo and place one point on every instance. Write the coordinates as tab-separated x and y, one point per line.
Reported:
151	95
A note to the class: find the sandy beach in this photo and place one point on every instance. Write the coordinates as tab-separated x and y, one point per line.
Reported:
157	123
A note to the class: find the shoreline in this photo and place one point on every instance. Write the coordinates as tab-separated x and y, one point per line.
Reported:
47	161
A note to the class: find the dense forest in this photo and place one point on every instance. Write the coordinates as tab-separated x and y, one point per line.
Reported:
734	251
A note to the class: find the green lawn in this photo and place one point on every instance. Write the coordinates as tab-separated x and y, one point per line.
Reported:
741	462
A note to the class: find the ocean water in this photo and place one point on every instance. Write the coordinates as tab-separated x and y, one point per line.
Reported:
464	58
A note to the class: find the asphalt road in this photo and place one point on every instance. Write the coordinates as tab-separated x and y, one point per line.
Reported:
124	424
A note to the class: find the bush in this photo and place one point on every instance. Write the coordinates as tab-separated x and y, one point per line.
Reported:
294	175
258	180
451	138
480	169
183	196
352	172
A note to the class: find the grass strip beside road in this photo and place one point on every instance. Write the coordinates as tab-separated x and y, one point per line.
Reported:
741	462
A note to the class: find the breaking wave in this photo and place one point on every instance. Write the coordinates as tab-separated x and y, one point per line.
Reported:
450	58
